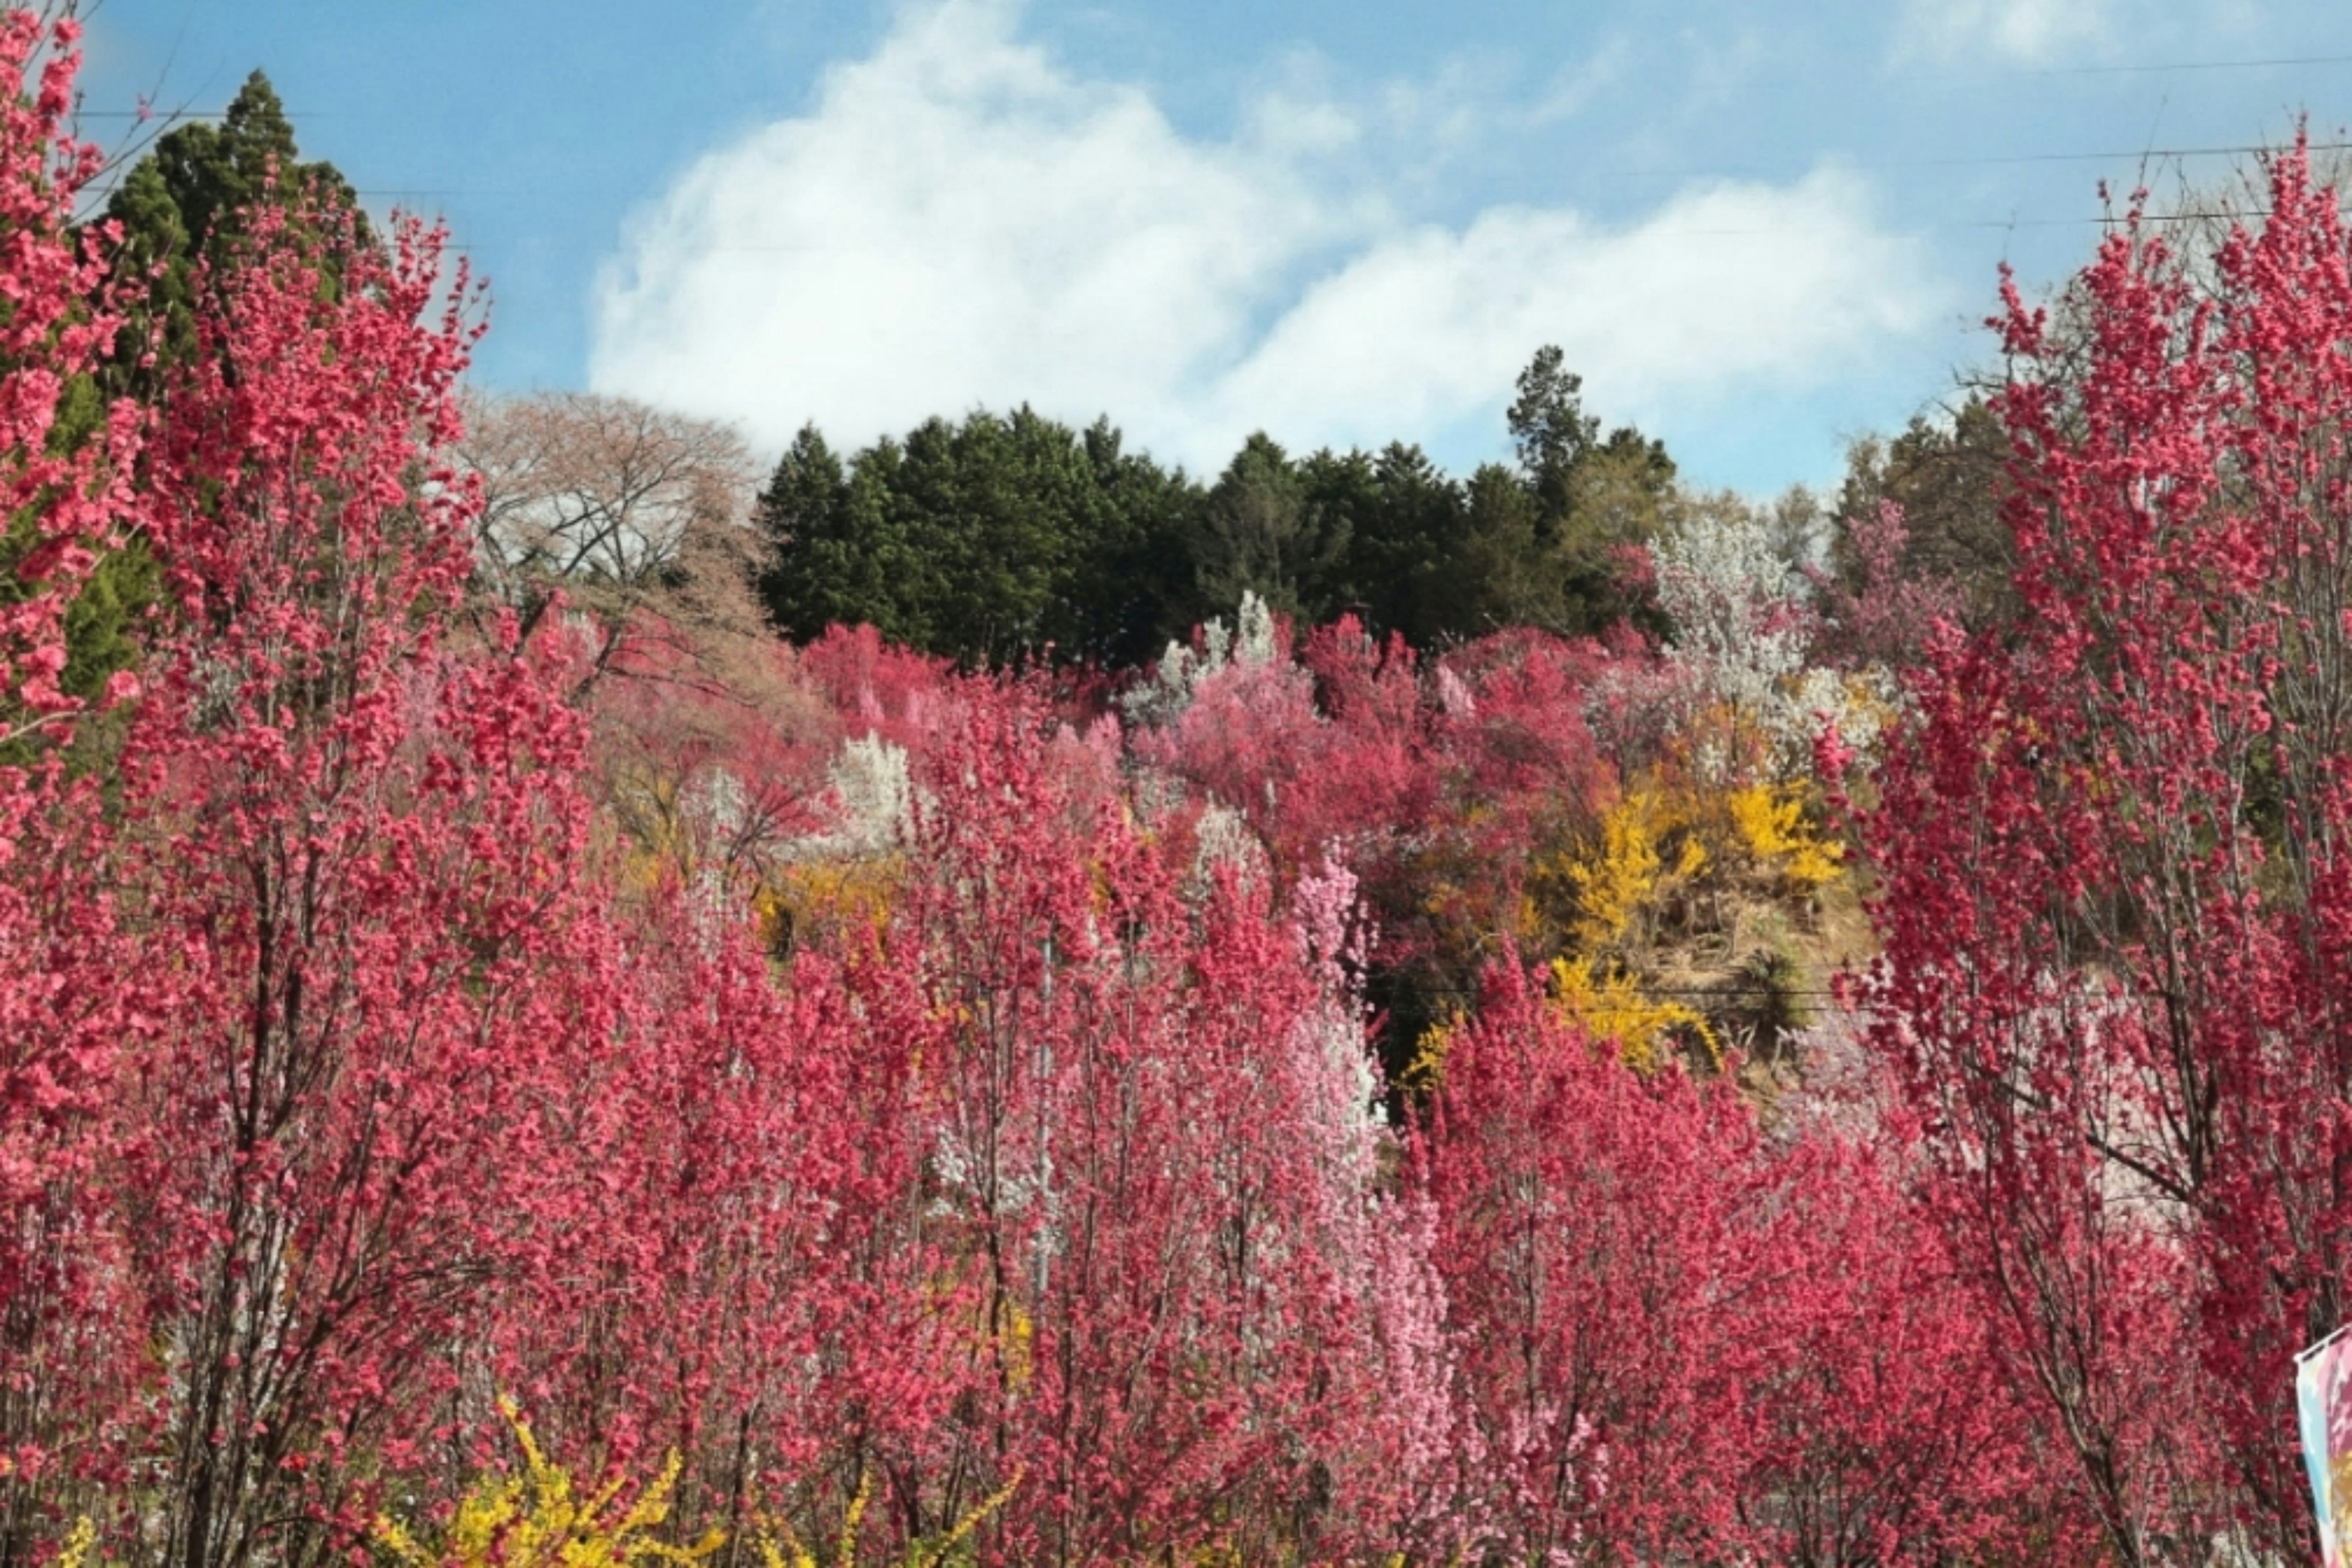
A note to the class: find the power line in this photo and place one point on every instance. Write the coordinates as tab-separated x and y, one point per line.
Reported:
2143	154
2136	154
2110	220
172	116
1952	227
2130	69
2189	66
1961	75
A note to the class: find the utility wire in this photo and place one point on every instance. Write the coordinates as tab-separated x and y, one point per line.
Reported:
1955	226
2277	63
2188	66
2144	154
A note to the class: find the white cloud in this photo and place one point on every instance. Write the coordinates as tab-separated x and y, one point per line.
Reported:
961	220
958	221
2030	32
1723	289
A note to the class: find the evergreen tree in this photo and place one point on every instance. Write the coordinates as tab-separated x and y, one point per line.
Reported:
1551	429
184	203
189	202
1622	493
1501	542
1133	590
995	540
1950	478
1259	534
1595	500
1408	561
1000	538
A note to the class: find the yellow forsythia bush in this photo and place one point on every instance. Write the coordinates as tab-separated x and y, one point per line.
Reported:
849	896
1425	1070
75	1552
779	1548
540	1520
1612	1007
1770	820
1618	884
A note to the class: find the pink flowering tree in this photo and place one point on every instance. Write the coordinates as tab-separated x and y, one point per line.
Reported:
1595	1269
1151	1130
69	1327
2115	845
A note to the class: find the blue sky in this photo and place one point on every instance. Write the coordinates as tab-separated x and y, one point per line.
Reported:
1758	230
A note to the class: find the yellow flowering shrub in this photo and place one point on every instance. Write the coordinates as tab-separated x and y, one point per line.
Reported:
846	896
1612	1007
540	1519
780	1548
1425	1069
1620	881
75	1552
1014	1339
790	1553
1770	822
777	923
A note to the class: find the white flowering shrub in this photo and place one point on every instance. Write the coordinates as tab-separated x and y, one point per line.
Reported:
1222	838
1164	697
874	797
1743	637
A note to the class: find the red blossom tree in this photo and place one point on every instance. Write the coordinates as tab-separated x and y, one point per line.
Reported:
766	1286
1879	1431
69	1327
1324	747
2114	844
1153	1132
1677	1339
1589	1240
1876	613
389	1033
361	897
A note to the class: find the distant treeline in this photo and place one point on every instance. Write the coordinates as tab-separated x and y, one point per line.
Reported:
1001	537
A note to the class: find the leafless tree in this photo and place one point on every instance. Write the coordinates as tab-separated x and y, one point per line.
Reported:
638	517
